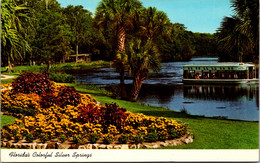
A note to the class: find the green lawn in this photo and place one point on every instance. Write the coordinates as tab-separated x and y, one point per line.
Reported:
5	119
56	67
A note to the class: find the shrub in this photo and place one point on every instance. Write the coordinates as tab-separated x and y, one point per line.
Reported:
77	139
112	114
64	96
151	137
172	134
62	138
162	135
62	78
19	103
32	83
123	138
89	113
29	137
93	137
68	96
139	138
43	138
108	138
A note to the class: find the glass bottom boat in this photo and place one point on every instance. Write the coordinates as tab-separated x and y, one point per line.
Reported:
219	73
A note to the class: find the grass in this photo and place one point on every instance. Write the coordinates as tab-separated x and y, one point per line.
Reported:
209	133
5	119
56	67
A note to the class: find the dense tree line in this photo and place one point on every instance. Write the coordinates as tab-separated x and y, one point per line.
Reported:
135	38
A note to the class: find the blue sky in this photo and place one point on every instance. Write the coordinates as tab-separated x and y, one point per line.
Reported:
202	16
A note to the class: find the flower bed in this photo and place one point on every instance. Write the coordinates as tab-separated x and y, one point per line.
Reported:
61	115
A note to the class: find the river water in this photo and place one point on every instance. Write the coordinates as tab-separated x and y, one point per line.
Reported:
239	102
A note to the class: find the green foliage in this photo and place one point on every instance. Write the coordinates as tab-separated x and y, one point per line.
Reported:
108	139
62	78
151	137
62	138
5	119
43	138
239	34
139	138
29	137
77	139
123	138
14	21
93	138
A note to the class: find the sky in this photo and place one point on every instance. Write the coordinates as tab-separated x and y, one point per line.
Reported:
202	16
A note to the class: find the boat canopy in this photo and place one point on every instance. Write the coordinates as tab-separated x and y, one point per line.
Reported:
218	66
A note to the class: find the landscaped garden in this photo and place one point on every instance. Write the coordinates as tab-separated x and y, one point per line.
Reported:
51	115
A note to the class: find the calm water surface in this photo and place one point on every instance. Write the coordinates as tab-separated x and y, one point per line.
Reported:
166	89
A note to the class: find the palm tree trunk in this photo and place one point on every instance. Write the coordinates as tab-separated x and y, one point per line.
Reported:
121	38
137	84
121	48
10	67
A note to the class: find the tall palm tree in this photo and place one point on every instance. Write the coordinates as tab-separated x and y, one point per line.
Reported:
13	43
142	59
240	33
233	41
153	22
118	14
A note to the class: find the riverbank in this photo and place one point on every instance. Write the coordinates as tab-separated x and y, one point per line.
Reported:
209	133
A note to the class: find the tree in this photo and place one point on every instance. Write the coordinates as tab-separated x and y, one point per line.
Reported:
141	59
119	14
243	28
153	22
80	21
52	38
13	20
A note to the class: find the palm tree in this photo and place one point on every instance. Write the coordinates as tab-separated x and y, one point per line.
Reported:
119	14
233	41
141	59
239	34
153	22
13	43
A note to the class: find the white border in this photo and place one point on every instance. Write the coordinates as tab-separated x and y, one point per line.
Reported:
152	155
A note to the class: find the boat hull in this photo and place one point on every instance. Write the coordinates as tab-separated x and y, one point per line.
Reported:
219	81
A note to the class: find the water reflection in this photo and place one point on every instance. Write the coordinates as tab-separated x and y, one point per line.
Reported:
233	102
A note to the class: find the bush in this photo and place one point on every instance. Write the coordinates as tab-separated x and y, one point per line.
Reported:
32	83
112	114
29	138
77	139
62	138
68	96
89	113
123	138
151	137
43	138
62	78
108	138
139	138
93	138
65	96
